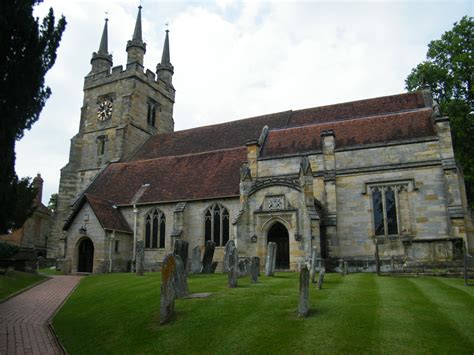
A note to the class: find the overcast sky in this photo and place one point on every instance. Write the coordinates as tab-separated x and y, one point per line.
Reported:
237	59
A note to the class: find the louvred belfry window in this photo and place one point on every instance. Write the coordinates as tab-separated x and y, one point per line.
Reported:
216	224
155	229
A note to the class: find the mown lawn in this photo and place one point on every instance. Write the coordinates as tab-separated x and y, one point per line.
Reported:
358	313
14	281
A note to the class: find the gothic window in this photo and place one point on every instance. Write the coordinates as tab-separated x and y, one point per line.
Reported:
391	210
155	229
151	113
216	224
101	144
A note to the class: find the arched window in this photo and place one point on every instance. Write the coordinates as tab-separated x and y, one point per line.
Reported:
155	229
216	224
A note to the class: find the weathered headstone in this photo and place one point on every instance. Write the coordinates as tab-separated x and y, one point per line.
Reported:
167	296
255	268
312	270
207	259
214	267
232	264
225	264
303	306
140	258
180	280
196	260
181	249
270	259
321	278
244	267
345	268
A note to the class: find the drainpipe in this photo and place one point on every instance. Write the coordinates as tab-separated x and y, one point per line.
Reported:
112	238
135	212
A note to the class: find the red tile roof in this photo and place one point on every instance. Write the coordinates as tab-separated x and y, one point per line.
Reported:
179	178
368	130
108	216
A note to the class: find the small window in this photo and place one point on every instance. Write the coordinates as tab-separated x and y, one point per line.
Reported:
117	247
155	230
216	224
151	113
101	145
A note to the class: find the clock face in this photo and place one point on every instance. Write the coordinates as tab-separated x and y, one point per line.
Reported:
105	110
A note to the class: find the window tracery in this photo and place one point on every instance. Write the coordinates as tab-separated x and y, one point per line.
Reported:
155	229
216	224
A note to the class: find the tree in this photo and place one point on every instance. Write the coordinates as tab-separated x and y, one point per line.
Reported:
27	52
448	71
53	203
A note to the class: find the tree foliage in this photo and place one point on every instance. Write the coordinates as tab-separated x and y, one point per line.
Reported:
7	249
53	203
449	72
27	52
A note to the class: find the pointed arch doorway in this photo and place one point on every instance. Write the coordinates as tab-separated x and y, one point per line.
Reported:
279	235
86	256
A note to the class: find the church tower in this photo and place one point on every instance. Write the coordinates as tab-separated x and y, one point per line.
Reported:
122	108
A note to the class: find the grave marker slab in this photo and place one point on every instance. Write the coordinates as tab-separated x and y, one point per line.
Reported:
255	268
196	265
181	249
167	296
208	256
270	259
303	306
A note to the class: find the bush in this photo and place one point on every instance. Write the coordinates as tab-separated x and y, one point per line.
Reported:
7	249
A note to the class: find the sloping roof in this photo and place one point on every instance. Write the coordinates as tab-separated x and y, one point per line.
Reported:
179	178
367	130
109	216
204	162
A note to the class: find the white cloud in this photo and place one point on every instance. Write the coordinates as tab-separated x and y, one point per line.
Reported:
235	59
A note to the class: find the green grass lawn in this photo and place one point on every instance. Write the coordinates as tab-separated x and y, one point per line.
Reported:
358	313
14	281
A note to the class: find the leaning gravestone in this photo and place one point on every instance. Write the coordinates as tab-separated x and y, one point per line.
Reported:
254	268
303	307
214	267
312	271
233	264
321	278
180	280
181	249
225	264
207	259
196	260
168	271
140	260
270	259
244	267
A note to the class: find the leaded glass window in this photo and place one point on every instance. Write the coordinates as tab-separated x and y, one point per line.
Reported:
216	224
155	229
386	209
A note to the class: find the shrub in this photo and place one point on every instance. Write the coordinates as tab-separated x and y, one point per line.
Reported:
7	249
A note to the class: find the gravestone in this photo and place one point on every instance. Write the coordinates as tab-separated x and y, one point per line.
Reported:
214	267
167	296
321	278
345	268
255	268
225	264
303	307
244	267
181	249
232	264
196	260
140	258
312	271
270	259
207	259
180	280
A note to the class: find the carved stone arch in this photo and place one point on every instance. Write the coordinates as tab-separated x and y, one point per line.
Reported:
276	181
270	222
84	252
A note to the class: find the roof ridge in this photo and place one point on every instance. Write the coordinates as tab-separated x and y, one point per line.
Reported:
352	119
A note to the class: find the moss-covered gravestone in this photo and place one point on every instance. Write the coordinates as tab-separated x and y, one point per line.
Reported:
168	271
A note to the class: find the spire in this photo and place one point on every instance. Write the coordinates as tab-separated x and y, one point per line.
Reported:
103	47
136	48
102	60
165	69
165	58
137	33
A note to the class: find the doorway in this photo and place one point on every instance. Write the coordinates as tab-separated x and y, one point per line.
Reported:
86	256
279	235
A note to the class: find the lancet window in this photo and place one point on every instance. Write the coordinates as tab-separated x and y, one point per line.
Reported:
155	229
217	224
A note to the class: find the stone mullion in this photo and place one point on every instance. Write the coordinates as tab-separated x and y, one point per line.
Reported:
384	212
397	211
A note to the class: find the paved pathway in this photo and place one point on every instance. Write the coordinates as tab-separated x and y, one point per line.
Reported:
24	318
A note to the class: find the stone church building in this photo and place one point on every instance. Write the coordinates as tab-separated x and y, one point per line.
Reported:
339	178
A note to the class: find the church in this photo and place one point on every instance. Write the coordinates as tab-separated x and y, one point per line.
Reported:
349	180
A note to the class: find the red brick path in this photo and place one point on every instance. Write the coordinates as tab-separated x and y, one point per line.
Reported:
24	318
